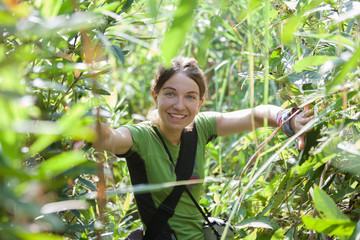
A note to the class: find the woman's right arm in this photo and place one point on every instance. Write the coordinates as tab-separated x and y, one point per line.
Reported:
117	141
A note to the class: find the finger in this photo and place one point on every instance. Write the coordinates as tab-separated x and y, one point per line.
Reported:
308	113
307	107
301	141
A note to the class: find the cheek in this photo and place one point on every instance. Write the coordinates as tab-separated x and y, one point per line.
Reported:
163	103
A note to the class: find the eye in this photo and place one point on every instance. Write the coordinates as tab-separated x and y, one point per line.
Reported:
169	94
190	97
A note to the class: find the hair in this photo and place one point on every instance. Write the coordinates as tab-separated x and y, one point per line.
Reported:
184	65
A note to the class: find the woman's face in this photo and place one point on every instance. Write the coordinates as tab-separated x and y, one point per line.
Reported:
178	102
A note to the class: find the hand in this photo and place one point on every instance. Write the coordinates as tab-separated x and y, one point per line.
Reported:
299	121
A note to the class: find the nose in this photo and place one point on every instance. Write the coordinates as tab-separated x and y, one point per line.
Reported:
179	105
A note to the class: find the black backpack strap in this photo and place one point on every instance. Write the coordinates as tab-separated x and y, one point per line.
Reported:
183	170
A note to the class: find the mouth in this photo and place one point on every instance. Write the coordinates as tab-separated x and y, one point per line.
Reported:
177	117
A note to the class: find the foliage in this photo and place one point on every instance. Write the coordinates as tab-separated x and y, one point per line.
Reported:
61	58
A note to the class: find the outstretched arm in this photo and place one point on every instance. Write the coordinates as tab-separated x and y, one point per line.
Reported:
242	120
117	141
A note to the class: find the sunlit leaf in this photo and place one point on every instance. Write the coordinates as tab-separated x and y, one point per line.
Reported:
39	236
67	205
327	206
49	8
294	21
43	142
257	223
348	11
60	163
252	236
311	61
337	227
347	67
64	24
175	37
279	234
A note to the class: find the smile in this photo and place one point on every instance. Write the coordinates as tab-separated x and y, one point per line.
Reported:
177	116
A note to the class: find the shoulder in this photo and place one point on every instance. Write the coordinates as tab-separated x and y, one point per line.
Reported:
142	135
206	124
140	130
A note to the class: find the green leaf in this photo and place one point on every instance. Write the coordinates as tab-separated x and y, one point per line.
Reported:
312	61
126	6
290	27
337	227
49	8
42	142
118	53
60	163
38	236
262	222
175	37
279	234
348	67
252	236
294	21
326	204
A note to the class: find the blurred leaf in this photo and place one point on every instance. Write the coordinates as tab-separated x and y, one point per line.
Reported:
348	164
347	67
49	8
279	234
311	61
294	21
181	24
67	205
126	6
87	183
356	234
251	236
304	78
38	236
78	21
118	53
348	11
337	227
263	222
336	38
60	163
43	84
43	142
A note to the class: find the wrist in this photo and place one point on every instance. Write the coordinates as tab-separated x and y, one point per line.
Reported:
282	119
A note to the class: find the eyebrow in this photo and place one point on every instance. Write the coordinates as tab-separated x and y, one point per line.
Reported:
174	89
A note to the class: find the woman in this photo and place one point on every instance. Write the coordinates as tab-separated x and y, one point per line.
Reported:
178	93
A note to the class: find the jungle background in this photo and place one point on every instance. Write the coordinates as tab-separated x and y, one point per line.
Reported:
60	60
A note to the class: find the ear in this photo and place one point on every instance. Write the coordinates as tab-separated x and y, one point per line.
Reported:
154	95
201	103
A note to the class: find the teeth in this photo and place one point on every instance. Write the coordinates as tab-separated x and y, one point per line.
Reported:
177	115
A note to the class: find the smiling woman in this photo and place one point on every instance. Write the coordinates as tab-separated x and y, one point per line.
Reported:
178	93
171	147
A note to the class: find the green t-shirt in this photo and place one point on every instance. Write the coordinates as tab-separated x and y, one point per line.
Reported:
187	221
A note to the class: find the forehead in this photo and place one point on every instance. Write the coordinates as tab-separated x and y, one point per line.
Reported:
181	82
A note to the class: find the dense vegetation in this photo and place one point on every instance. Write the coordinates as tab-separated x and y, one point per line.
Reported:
60	59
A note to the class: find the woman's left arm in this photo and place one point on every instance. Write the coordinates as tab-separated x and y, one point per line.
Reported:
243	120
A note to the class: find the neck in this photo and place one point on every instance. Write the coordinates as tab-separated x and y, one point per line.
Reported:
174	137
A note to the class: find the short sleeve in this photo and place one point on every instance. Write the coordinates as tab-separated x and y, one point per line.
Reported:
206	125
